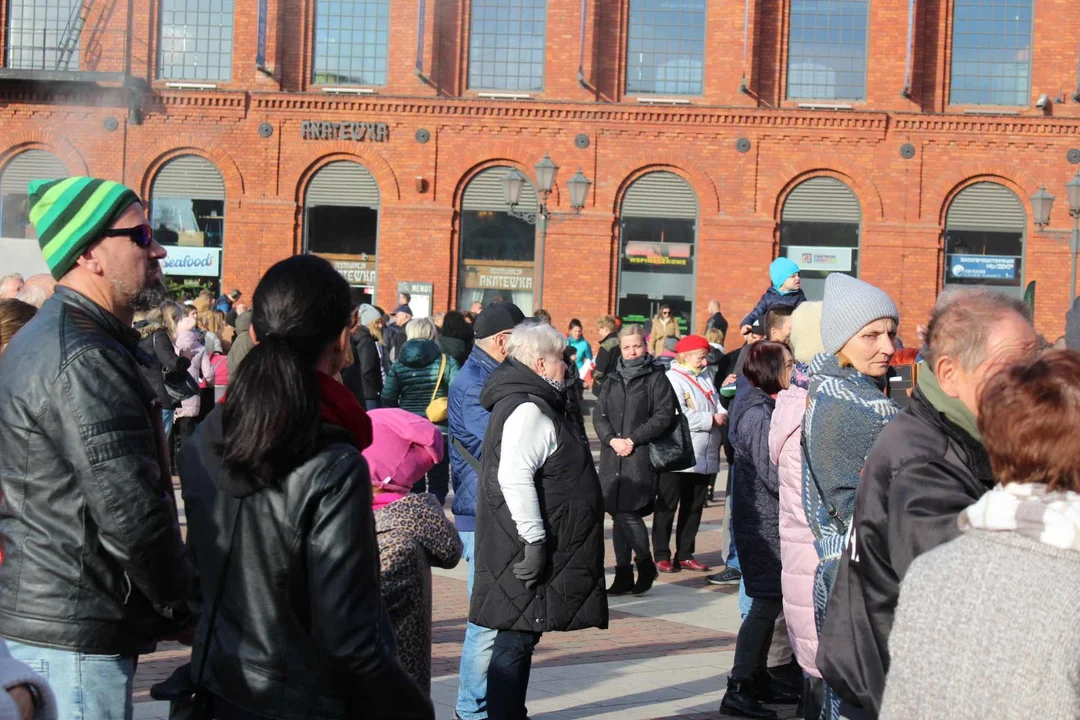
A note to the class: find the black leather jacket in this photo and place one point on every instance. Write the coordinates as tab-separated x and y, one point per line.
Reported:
301	630
93	560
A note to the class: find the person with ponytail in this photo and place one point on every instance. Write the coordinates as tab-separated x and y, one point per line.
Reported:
279	508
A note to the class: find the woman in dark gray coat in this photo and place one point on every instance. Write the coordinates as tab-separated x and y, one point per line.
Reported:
636	407
756	522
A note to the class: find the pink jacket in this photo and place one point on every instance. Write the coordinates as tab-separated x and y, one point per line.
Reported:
189	346
797	553
406	447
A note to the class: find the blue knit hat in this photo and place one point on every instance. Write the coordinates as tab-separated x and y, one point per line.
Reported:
780	270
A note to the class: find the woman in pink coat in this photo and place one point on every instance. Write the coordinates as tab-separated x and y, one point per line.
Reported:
797	553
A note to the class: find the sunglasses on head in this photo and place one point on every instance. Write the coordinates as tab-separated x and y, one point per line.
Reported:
141	235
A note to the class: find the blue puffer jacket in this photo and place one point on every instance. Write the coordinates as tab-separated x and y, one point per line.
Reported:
770	299
468	423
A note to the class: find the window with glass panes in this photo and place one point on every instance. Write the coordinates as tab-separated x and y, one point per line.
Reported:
352	38
196	40
35	31
827	49
991	52
665	50
506	44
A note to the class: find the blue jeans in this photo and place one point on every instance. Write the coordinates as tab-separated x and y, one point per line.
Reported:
733	552
475	655
167	420
87	687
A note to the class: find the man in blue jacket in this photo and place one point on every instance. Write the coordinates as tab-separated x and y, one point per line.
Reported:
468	423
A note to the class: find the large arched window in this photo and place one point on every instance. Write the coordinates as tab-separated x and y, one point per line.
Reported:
819	230
991	52
341	223
498	251
14	194
984	238
658	234
187	213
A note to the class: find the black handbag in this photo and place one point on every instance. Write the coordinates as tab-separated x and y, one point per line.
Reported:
180	386
675	450
188	699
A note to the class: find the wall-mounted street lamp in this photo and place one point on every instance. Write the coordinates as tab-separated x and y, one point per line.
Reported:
1042	203
546	171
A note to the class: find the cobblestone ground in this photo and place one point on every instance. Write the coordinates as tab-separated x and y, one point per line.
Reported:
665	655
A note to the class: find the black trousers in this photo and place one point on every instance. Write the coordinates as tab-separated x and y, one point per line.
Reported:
686	492
755	637
508	674
630	536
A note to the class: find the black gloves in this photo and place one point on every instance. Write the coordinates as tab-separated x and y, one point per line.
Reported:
532	567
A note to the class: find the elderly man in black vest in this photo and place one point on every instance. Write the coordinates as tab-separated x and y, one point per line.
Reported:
539	517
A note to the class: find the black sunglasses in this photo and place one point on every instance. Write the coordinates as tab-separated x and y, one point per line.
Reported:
141	235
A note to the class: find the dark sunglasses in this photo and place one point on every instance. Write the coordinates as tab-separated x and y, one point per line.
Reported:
141	235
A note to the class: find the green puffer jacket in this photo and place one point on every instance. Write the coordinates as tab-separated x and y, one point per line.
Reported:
411	380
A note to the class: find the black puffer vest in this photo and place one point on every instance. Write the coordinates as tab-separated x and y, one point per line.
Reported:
570	595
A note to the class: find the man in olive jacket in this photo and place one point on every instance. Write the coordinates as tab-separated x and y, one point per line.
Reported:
94	569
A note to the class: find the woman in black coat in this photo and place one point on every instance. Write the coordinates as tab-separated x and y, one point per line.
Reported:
636	406
756	522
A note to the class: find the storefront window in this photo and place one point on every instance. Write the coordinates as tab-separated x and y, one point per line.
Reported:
984	239
341	224
187	213
657	249
819	231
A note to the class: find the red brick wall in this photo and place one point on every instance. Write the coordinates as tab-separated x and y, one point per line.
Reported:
740	194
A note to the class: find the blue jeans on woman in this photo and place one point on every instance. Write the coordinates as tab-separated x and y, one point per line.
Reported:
87	687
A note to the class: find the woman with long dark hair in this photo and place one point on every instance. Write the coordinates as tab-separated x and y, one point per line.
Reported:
756	522
278	500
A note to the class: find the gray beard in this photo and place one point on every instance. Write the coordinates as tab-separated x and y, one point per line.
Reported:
152	295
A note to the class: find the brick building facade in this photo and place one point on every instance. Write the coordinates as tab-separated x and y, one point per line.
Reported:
889	164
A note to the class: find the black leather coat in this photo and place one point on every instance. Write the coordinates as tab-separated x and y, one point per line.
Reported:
93	560
301	630
636	402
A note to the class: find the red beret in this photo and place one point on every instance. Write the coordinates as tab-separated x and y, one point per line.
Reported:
690	343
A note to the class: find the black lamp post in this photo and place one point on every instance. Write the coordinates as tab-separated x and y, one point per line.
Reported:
1042	203
546	171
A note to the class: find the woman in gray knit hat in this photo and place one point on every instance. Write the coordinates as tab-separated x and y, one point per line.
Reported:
848	408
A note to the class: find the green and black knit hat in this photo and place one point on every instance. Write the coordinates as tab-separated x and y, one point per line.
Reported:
71	213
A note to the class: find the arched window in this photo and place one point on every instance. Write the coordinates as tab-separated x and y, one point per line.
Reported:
658	237
187	213
341	223
14	194
498	251
991	52
984	238
819	230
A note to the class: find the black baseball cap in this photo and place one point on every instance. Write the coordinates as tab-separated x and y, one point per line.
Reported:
497	318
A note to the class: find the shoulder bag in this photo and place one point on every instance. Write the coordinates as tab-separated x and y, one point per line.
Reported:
830	509
438	409
188	699
675	450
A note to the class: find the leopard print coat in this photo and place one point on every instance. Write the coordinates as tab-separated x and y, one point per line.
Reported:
413	535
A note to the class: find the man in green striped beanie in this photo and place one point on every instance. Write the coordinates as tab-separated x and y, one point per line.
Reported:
95	237
89	521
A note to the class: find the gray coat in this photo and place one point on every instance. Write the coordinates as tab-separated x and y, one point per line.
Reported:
970	642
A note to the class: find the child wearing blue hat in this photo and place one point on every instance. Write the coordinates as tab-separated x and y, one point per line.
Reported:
784	290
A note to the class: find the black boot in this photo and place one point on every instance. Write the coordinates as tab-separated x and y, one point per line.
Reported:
739	701
624	580
646	574
768	689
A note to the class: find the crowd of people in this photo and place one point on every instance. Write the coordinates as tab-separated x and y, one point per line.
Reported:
316	442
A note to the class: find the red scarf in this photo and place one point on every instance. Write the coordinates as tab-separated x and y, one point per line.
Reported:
338	406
